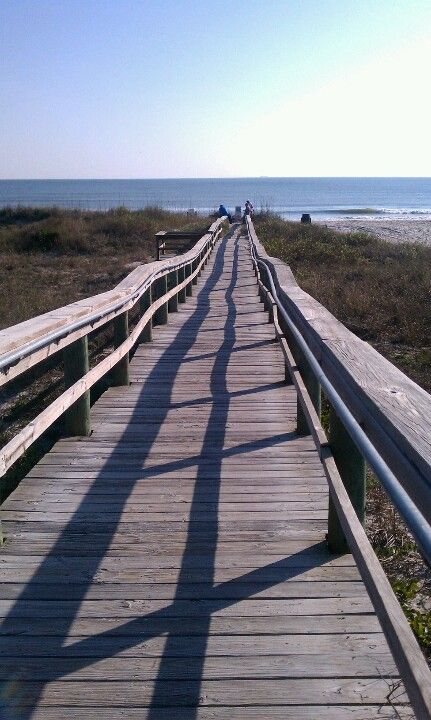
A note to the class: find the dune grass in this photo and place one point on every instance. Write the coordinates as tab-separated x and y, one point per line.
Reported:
379	290
50	257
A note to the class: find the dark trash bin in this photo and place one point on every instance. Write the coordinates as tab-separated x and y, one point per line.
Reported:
306	218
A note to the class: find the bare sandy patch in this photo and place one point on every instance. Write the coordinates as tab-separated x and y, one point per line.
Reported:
391	229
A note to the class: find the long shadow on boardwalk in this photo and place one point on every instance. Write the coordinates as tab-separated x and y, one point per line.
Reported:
212	445
22	702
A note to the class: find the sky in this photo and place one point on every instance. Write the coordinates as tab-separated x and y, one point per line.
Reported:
200	88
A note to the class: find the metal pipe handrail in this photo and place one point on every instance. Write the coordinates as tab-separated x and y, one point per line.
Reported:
415	521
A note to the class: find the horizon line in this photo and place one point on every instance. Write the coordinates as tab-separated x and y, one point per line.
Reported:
224	177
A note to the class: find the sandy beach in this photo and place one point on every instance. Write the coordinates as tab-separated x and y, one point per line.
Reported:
392	229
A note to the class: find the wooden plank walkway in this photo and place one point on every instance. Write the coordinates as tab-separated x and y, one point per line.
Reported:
173	564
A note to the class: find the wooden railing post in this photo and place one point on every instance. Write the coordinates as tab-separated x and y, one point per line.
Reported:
145	303
160	243
271	311
172	283
189	286
352	469
181	278
283	328
76	365
309	378
120	372
194	266
314	391
160	317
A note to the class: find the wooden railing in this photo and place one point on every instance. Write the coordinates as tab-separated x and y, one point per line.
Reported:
376	413
174	241
155	289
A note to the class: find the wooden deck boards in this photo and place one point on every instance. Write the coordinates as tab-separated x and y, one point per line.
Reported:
173	564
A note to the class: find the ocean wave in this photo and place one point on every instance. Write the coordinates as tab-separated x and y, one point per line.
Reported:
332	211
356	211
369	212
405	211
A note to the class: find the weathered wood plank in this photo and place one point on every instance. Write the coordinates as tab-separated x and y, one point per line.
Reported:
296	712
241	693
117	669
128	584
177	556
185	608
282	625
370	645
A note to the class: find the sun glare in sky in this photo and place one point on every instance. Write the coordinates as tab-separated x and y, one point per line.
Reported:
164	88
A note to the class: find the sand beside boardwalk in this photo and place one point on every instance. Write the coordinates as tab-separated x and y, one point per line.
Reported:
392	229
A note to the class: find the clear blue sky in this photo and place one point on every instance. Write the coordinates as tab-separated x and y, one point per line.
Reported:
192	88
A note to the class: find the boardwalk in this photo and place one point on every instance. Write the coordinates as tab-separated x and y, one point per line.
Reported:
173	564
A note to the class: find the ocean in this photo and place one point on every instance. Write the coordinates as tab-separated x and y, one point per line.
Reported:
324	198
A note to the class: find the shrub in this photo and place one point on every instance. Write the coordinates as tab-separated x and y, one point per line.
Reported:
380	290
50	257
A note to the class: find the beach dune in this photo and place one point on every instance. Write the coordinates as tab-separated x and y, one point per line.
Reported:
392	229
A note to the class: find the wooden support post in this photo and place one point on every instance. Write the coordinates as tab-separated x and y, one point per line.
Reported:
160	317
309	378
76	365
189	287
120	372
181	278
160	243
172	283
287	376
301	421
312	385
351	466
194	266
287	335
262	291
271	307
145	303
267	303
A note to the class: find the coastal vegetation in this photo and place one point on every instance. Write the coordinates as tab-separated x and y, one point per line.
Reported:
50	257
382	292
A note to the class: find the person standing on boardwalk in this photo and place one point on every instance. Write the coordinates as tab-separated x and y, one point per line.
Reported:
222	212
249	209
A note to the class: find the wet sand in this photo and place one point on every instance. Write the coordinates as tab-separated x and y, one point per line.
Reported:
392	229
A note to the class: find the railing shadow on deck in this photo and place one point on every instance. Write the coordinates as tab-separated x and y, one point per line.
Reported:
22	699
